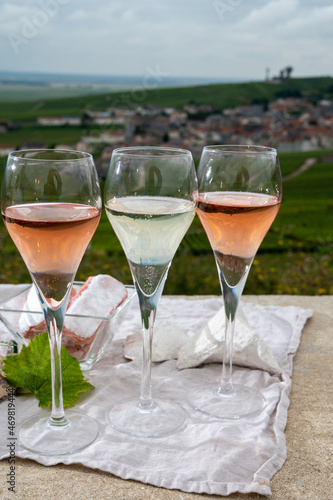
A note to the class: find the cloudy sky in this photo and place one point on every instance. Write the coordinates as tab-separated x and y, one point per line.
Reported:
235	39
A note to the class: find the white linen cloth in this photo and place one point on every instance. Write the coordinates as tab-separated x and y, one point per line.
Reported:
206	455
207	345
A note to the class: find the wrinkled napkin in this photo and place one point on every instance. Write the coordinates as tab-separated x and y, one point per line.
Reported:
207	345
207	455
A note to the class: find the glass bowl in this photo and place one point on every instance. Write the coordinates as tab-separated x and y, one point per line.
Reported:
11	312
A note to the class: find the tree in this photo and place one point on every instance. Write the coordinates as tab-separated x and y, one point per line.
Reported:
289	70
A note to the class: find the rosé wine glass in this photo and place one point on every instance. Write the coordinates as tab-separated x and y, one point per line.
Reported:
150	200
240	191
51	205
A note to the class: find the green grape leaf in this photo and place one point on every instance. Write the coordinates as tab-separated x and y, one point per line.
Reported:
31	370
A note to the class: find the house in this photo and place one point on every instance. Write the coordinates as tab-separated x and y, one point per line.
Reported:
5	149
83	146
63	146
112	136
50	121
59	121
102	120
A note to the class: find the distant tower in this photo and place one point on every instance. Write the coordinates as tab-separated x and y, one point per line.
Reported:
267	74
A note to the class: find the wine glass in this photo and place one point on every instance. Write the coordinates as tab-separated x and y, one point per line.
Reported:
51	206
150	200
240	193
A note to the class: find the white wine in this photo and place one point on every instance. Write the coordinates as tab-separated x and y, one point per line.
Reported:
150	229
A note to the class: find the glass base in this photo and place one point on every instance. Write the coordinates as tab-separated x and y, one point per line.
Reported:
163	417
241	402
37	435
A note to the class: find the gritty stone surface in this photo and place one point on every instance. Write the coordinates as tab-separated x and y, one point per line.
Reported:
306	474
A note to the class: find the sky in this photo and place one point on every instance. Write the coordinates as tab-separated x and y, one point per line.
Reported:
218	39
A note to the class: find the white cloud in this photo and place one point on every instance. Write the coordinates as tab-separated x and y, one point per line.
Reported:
311	23
271	14
11	15
79	15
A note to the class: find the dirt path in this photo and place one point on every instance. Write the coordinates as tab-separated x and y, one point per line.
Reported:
306	165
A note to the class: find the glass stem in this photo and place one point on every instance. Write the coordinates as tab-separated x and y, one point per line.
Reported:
231	301
54	322
148	306
231	298
148	319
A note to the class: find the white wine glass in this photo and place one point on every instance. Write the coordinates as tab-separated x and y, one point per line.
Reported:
240	191
51	206
150	200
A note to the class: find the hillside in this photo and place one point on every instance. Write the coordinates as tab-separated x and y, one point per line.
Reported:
219	96
295	257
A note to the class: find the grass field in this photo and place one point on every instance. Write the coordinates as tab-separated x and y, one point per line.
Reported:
49	136
296	256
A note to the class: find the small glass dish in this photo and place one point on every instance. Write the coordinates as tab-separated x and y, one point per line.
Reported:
11	311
